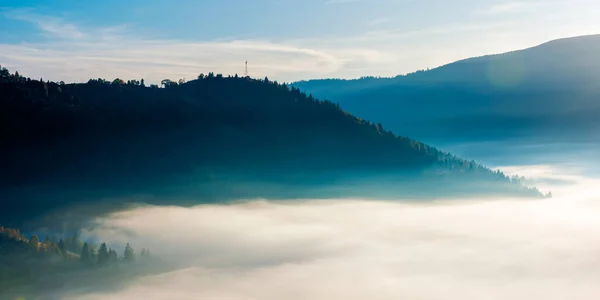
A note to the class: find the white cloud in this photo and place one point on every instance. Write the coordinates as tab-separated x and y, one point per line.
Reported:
355	249
562	181
111	53
51	26
75	53
156	60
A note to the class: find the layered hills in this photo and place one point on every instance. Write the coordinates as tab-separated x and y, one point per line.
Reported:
547	93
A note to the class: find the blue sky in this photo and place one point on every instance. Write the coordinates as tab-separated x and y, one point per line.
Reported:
286	40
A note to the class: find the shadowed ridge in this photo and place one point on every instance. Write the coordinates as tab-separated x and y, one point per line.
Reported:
207	138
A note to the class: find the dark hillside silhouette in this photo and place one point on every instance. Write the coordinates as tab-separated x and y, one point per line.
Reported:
549	92
121	137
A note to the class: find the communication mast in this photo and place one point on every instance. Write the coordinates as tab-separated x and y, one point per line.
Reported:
246	70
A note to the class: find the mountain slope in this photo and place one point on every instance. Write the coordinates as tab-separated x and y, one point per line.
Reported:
549	92
209	139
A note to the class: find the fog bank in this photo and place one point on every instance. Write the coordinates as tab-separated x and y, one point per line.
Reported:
361	249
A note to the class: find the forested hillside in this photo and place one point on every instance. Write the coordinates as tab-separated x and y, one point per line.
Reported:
30	265
117	137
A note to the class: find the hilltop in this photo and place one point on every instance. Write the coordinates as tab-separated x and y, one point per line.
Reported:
548	93
209	139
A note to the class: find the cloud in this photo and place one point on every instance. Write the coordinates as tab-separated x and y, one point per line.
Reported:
73	52
49	25
115	52
360	249
71	55
562	180
158	59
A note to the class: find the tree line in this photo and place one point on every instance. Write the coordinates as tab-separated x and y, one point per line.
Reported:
69	248
128	137
32	267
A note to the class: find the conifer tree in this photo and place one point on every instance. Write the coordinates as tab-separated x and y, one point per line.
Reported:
103	256
129	254
112	256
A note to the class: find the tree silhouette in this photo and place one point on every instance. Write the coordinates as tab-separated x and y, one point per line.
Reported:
112	256
4	73
168	83
118	82
129	255
103	255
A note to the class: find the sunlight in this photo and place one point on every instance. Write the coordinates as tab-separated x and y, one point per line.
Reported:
299	150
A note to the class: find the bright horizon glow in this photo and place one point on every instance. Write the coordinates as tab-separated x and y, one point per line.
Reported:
284	40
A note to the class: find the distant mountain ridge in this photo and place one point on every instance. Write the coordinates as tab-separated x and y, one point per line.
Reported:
551	91
209	138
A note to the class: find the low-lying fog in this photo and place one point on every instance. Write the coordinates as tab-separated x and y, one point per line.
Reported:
361	249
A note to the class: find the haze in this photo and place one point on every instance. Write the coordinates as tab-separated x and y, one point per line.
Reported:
299	149
362	249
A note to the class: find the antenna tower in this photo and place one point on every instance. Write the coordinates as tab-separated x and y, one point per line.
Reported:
246	70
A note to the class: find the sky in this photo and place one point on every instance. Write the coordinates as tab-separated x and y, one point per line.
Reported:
286	40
